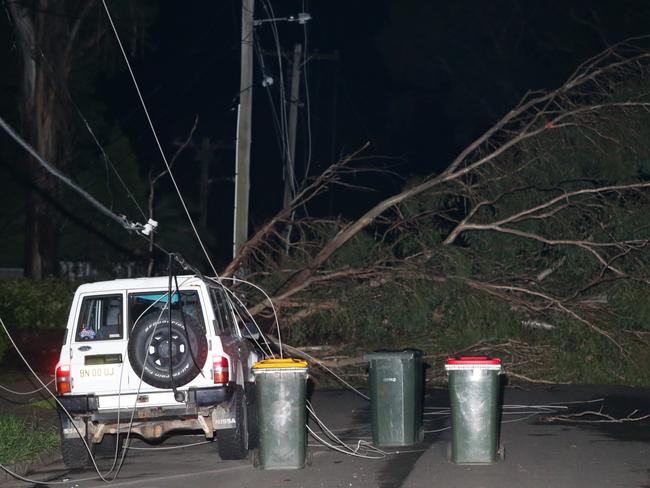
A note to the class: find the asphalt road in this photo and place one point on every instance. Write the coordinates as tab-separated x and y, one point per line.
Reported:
538	453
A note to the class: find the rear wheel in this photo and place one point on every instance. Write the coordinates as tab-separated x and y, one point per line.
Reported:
109	445
251	416
73	449
233	443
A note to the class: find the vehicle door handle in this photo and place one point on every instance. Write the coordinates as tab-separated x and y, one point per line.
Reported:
85	348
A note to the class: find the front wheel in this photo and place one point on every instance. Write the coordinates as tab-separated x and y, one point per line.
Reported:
233	443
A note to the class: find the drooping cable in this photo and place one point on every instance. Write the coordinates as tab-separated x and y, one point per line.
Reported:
120	219
230	296
338	444
107	160
155	135
279	132
268	298
187	338
169	340
278	48
183	446
307	102
13	392
31	370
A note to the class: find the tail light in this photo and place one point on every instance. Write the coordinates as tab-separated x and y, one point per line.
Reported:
63	382
220	370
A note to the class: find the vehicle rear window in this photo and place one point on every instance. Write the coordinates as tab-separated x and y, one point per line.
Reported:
155	303
100	319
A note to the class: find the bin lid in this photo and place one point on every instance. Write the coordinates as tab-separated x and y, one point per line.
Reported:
473	362
280	364
403	354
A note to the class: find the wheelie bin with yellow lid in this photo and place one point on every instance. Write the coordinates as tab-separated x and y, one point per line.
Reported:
280	386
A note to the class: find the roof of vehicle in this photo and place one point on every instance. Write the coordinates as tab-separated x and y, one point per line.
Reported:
160	282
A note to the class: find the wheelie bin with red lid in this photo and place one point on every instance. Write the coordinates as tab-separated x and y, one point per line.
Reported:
474	397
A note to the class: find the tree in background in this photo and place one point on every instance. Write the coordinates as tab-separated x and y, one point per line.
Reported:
53	38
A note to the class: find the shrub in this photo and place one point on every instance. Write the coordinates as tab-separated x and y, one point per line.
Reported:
26	303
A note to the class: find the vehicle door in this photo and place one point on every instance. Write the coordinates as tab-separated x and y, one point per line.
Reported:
98	343
232	341
147	305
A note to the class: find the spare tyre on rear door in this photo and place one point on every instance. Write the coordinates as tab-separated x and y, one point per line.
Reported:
153	345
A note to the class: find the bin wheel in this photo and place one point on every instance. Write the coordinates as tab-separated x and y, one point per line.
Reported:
309	457
255	458
501	453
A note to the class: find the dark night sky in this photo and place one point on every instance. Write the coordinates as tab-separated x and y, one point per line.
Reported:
417	79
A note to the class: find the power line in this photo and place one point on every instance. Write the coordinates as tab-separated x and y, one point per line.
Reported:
120	219
307	103
279	134
153	130
283	103
140	229
107	160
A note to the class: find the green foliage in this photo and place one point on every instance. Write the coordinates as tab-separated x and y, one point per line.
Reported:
28	303
394	314
631	305
357	252
22	439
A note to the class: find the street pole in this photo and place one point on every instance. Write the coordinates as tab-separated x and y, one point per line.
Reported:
294	100
242	161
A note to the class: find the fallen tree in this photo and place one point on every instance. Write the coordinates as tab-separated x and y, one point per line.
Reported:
546	213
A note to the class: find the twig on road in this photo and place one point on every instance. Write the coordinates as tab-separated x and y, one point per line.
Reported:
602	418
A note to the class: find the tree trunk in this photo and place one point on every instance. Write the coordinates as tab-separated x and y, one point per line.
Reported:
43	122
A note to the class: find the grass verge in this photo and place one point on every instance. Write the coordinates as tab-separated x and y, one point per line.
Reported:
23	438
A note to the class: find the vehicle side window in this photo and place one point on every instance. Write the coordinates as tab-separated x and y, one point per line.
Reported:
100	319
224	323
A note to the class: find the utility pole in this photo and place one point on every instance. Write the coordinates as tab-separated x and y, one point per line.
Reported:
294	100
242	161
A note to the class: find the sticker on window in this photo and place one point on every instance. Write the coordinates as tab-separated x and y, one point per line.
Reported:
87	333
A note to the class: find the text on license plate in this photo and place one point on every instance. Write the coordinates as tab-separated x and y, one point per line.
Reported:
94	372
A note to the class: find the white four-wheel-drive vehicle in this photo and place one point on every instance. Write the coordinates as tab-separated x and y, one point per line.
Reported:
136	361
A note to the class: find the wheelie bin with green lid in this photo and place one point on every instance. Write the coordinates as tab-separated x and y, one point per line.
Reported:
396	397
280	386
474	396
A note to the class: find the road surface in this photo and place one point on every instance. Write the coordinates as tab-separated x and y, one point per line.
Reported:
538	454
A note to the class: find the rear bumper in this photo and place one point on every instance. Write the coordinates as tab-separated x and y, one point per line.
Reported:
195	398
205	397
78	403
